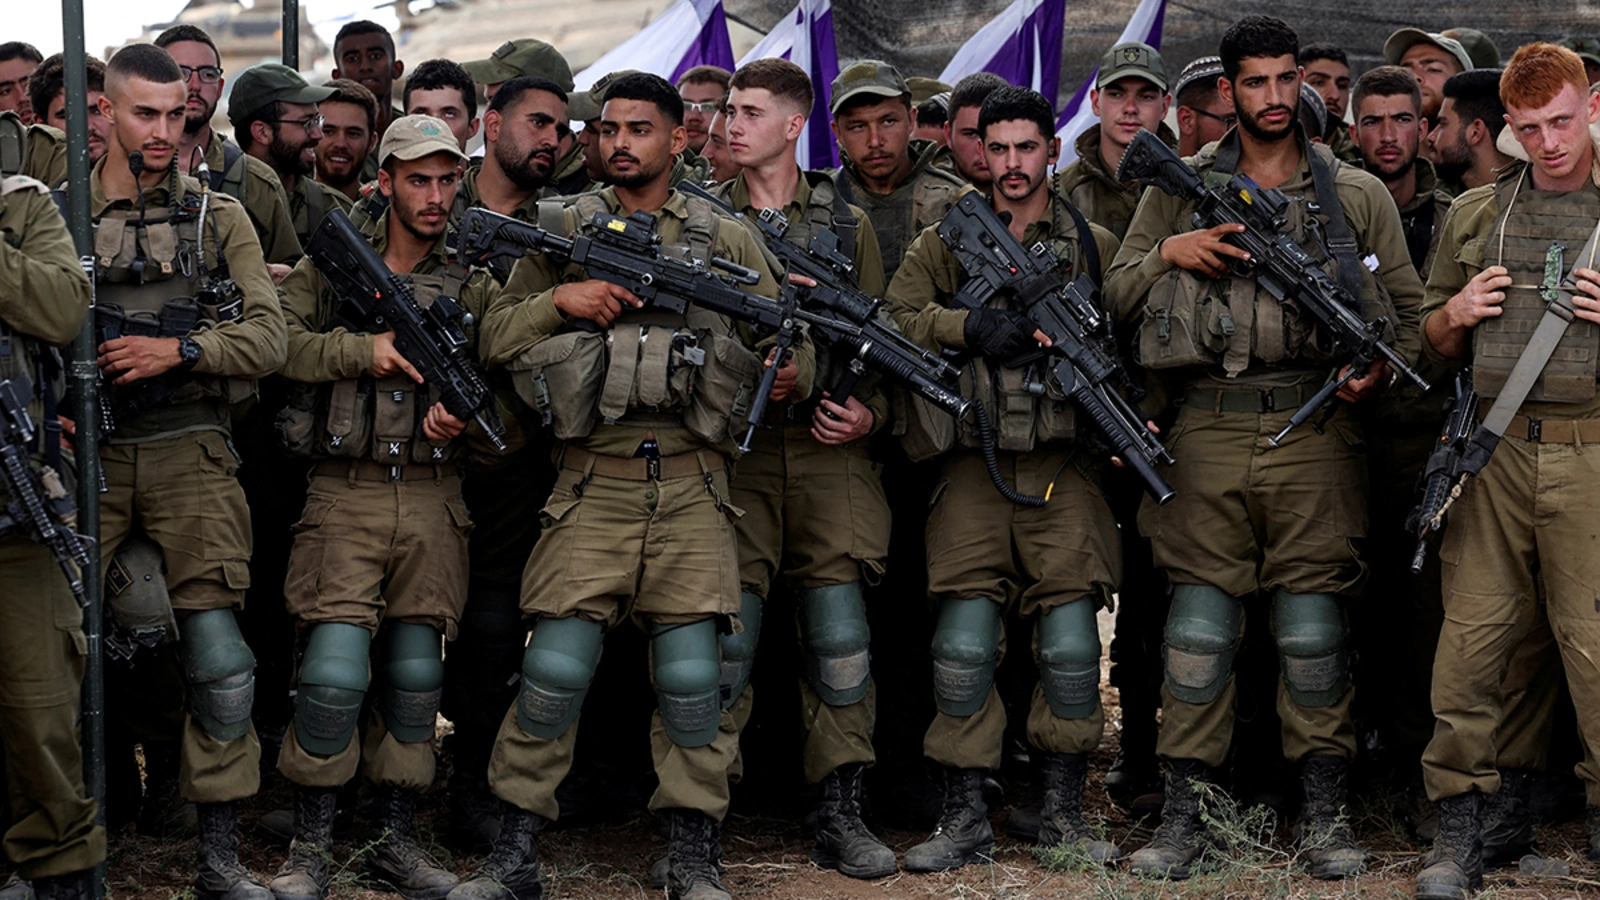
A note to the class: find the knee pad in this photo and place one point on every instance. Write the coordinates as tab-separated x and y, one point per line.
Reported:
835	640
413	680
556	670
220	670
333	682
687	666
1069	659
1309	629
966	645
1201	638
739	650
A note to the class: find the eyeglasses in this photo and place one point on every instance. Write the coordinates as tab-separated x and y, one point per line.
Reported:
709	106
1227	121
309	123
208	74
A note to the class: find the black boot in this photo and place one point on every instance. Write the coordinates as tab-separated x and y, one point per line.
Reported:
1508	820
1453	869
512	870
963	834
694	856
397	860
162	811
307	871
843	840
1175	849
1061	821
220	875
1134	772
1326	842
72	886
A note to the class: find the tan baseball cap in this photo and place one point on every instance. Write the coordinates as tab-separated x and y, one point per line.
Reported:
867	78
524	56
585	106
413	137
1132	59
1406	38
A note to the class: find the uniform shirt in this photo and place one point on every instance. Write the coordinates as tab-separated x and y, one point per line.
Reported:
266	202
1429	195
1091	184
306	199
43	291
920	200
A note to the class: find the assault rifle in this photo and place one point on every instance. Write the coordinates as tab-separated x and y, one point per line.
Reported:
627	252
40	509
1276	262
1461	453
1082	358
430	338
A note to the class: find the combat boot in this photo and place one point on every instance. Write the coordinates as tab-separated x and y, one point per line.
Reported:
694	856
307	871
71	886
1508	820
1453	869
1061	820
1175	849
220	875
1327	844
512	870
397	860
843	841
963	834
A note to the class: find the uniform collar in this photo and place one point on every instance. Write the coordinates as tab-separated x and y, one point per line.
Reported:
437	257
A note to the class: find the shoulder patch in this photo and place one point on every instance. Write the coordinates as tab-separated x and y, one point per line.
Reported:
22	182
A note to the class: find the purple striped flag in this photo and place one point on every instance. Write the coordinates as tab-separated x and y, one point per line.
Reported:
805	38
690	33
1022	45
1144	26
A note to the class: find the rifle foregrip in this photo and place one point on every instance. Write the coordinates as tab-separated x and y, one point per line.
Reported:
1127	449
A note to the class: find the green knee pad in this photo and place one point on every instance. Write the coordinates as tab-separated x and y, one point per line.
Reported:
1069	659
333	682
220	670
835	638
556	670
1309	629
1201	638
687	667
413	679
966	649
739	650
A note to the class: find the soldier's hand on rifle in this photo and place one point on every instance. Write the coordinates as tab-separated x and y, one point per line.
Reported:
1203	251
1377	378
598	301
834	424
439	425
386	360
1000	333
138	357
788	374
1586	299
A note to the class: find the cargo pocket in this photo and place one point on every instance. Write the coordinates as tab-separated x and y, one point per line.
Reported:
1186	322
459	514
560	379
869	515
724	387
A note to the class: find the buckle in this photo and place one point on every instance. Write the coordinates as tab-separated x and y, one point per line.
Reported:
1269	400
397	473
1535	430
652	465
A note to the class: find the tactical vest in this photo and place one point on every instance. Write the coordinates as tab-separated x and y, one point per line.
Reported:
371	418
651	368
897	217
229	177
1529	223
148	282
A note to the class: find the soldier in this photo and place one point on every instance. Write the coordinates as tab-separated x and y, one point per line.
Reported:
639	524
1480	47
442	89
931	98
1588	50
233	172
381	550
704	89
1203	115
1248	519
1466	133
349	117
1433	58
51	835
1388	131
1514	542
363	51
987	556
18	60
531	56
802	476
169	465
276	120
1327	71
47	93
963	153
717	154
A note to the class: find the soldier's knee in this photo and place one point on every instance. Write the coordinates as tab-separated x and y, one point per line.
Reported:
836	638
1201	638
413	680
686	663
1069	658
1309	629
220	670
966	649
739	650
556	670
333	683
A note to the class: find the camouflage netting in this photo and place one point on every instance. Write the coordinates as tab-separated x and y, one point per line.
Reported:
920	37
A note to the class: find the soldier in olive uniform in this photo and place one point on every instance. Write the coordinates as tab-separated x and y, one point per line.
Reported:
640	523
169	465
1516	538
382	547
276	120
1285	522
51	836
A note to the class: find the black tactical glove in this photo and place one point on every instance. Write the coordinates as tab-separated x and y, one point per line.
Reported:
998	333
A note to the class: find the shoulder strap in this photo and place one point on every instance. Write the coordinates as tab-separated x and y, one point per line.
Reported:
230	180
841	185
1091	249
1341	243
844	223
1420	236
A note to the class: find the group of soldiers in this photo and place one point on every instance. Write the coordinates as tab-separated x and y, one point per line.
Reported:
267	437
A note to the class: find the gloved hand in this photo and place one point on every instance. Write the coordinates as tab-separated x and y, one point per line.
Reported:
999	333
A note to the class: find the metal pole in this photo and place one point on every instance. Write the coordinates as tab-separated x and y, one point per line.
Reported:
291	33
83	383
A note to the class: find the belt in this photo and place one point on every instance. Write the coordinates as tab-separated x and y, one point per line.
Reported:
369	470
1552	431
665	468
1249	400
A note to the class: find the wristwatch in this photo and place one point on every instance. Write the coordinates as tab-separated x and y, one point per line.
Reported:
188	353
